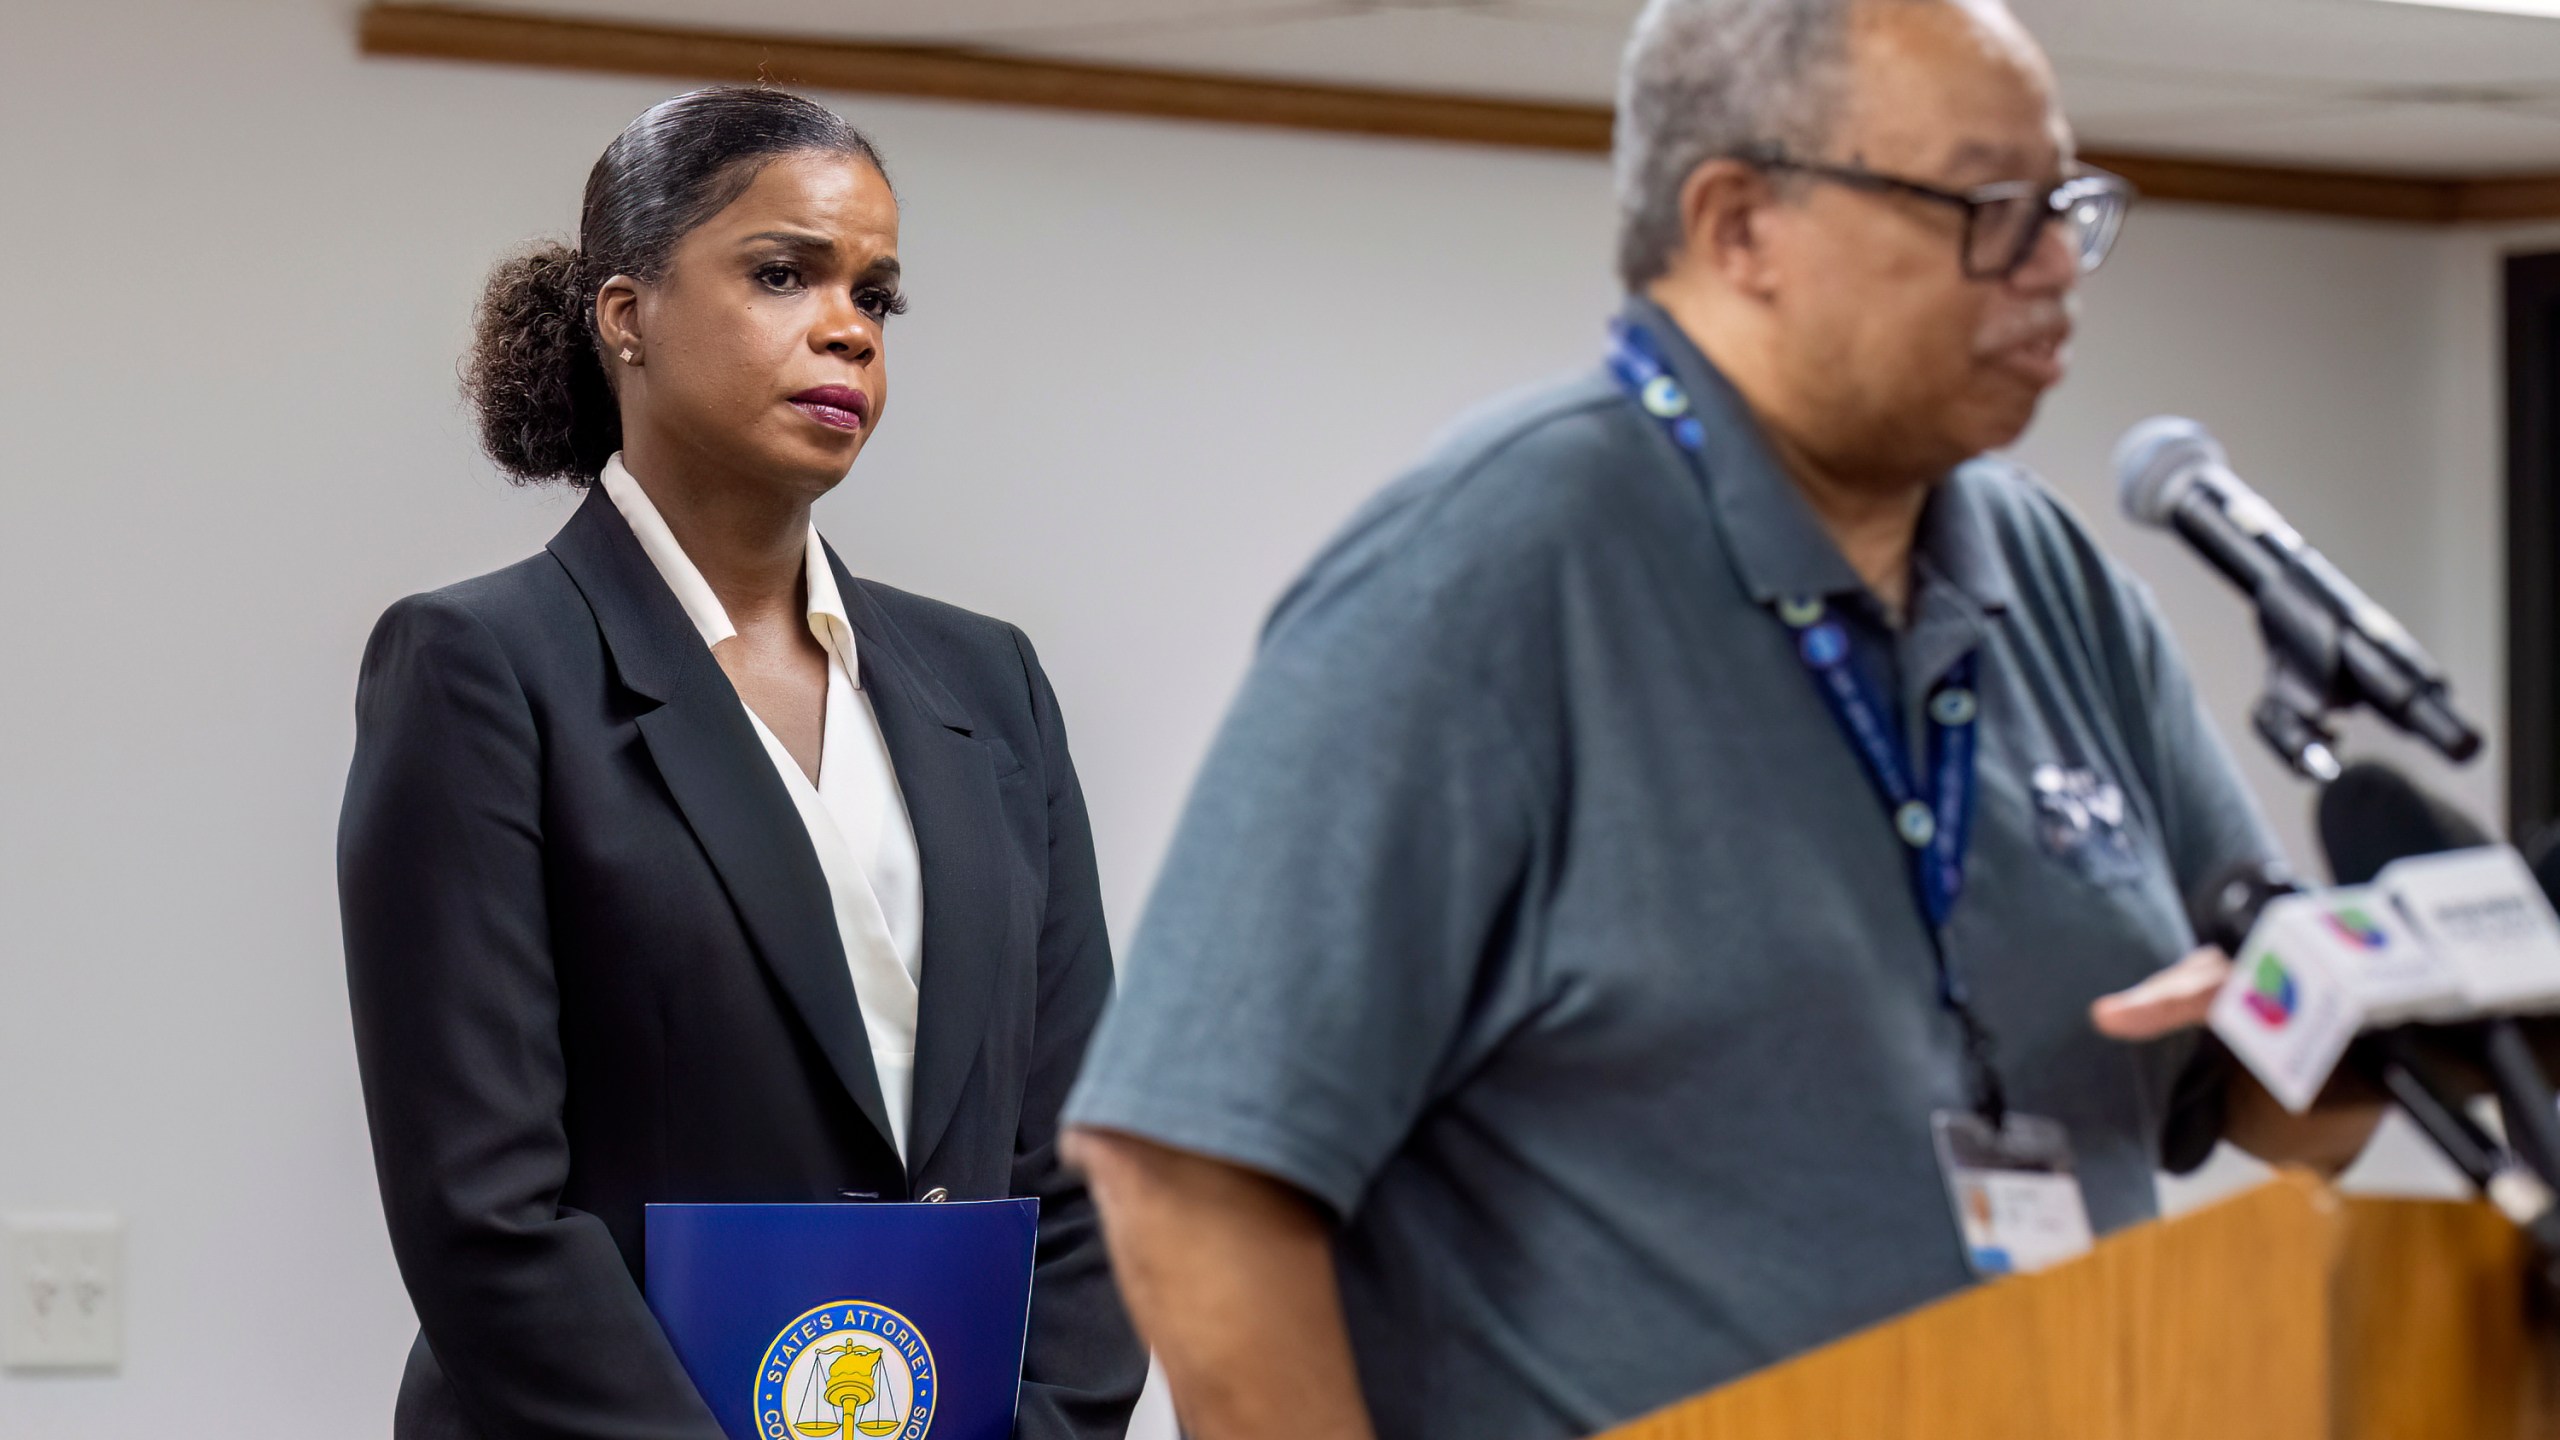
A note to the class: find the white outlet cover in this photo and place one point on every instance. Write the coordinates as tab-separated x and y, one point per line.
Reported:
61	1292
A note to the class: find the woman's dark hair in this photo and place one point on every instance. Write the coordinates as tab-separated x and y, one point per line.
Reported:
536	372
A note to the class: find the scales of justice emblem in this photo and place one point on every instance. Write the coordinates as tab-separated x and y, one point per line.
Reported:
845	1370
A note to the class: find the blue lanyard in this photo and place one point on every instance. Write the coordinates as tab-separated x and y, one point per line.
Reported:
1932	812
1936	821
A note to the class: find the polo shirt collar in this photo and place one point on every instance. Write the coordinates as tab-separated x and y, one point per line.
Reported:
1958	545
1779	546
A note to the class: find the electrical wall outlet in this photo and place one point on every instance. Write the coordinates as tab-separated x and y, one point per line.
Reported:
61	1292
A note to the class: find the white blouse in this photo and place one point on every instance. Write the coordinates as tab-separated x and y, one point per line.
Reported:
856	817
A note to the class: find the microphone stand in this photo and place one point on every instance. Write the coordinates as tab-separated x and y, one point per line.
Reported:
2307	679
2291	717
2319	664
2414	1082
2521	1178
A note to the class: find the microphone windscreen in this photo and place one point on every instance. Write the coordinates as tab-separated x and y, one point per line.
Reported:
2225	908
2156	460
2372	815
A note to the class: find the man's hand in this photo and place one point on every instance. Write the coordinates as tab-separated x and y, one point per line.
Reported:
2327	1138
2173	999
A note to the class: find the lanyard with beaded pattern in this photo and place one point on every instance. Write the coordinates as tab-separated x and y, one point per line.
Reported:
1932	812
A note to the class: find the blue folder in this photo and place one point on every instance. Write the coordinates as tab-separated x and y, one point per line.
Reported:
841	1322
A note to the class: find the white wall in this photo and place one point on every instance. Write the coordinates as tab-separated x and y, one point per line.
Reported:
1149	367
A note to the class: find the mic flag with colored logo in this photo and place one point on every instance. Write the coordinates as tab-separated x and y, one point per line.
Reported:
839	1322
2447	937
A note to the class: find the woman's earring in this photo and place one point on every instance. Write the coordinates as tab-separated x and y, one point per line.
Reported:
628	358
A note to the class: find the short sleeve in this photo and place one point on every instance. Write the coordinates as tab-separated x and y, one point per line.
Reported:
1336	922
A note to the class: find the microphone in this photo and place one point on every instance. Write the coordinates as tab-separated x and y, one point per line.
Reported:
2314	972
2475	902
2395	841
2227	910
2372	815
2489	921
2329	644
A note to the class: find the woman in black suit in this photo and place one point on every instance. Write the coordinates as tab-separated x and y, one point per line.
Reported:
677	863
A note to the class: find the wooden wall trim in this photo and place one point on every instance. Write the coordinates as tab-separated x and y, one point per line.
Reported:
2515	197
2280	187
981	77
944	73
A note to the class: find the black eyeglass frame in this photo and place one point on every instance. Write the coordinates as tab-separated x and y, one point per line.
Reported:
2059	201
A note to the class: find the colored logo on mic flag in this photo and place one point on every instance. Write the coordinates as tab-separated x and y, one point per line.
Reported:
2357	928
2271	994
846	1370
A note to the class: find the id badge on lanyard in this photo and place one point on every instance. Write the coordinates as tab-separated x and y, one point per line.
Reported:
2016	1200
2009	1176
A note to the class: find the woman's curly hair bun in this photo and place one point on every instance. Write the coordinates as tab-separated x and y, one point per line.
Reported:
546	410
536	373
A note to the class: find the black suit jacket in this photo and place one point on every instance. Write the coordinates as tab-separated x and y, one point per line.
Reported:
593	964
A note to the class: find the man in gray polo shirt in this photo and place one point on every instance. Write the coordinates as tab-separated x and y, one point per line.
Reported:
1546	1005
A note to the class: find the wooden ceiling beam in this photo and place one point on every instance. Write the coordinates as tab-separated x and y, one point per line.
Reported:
936	72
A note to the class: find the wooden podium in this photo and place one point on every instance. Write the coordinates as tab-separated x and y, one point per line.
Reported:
2286	1313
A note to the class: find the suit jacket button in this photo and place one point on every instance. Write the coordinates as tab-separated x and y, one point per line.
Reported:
935	1196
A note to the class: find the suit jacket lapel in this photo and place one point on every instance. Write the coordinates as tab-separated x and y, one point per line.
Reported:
948	780
722	780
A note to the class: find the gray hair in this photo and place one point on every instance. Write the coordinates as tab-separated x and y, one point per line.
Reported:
1709	78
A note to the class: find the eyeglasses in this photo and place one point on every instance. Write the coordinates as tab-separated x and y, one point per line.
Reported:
2002	222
